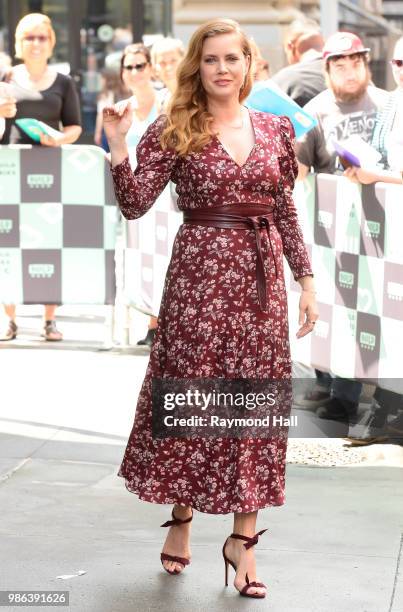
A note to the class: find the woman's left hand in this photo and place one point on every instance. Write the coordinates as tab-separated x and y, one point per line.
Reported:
49	141
308	313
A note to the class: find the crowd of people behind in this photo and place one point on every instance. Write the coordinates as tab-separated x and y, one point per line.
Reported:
331	79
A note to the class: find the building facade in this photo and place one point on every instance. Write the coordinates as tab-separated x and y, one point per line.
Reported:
265	20
92	33
90	36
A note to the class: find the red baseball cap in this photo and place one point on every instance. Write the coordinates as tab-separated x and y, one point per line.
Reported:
343	43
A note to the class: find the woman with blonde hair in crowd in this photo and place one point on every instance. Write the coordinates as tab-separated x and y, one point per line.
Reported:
224	310
44	94
261	70
166	55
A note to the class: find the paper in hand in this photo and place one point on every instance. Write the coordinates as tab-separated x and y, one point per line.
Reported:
354	151
34	128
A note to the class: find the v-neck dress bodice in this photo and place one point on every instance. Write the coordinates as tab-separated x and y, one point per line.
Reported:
210	323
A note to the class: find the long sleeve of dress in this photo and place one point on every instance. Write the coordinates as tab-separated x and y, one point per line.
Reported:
285	214
136	191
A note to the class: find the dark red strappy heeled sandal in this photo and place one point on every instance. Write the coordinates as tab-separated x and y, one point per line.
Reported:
164	556
249	543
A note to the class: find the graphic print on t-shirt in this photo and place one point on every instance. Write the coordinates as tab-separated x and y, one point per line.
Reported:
337	121
360	123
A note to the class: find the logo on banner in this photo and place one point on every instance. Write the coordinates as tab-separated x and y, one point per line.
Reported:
41	270
5	263
8	169
346	279
322	329
325	219
367	341
6	225
395	291
352	322
40	181
372	229
82	159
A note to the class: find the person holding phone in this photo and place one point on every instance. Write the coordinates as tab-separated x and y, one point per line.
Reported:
348	106
44	94
388	133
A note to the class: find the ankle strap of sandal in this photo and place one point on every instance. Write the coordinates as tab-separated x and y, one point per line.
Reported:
249	541
177	521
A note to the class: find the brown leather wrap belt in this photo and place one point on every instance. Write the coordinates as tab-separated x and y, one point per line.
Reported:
253	217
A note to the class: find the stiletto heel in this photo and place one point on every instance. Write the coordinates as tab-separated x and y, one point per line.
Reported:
164	556
249	543
226	571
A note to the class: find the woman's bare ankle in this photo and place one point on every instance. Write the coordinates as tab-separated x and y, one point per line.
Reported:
182	512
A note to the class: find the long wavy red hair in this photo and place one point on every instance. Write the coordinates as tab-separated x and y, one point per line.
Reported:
189	124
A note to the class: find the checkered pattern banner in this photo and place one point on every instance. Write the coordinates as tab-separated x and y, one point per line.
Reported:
354	236
58	220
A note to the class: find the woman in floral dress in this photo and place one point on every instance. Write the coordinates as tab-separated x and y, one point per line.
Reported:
224	309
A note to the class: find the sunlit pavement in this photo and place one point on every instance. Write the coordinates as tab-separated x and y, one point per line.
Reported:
66	411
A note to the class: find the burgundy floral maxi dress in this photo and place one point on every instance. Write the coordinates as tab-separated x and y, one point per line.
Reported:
210	323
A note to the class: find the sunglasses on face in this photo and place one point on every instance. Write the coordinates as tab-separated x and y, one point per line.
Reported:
397	62
41	38
136	67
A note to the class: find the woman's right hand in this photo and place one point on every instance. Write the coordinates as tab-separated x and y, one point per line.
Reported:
117	120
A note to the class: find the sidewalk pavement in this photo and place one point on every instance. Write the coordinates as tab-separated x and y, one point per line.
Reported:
335	546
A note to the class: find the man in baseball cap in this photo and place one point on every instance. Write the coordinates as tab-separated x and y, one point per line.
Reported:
342	44
348	106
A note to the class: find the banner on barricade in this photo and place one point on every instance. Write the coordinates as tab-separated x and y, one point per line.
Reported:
354	238
58	220
149	241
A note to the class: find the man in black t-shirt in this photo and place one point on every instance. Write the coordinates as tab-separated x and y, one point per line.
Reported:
349	106
304	78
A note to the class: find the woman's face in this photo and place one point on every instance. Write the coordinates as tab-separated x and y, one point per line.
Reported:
136	70
223	66
36	45
398	71
167	64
